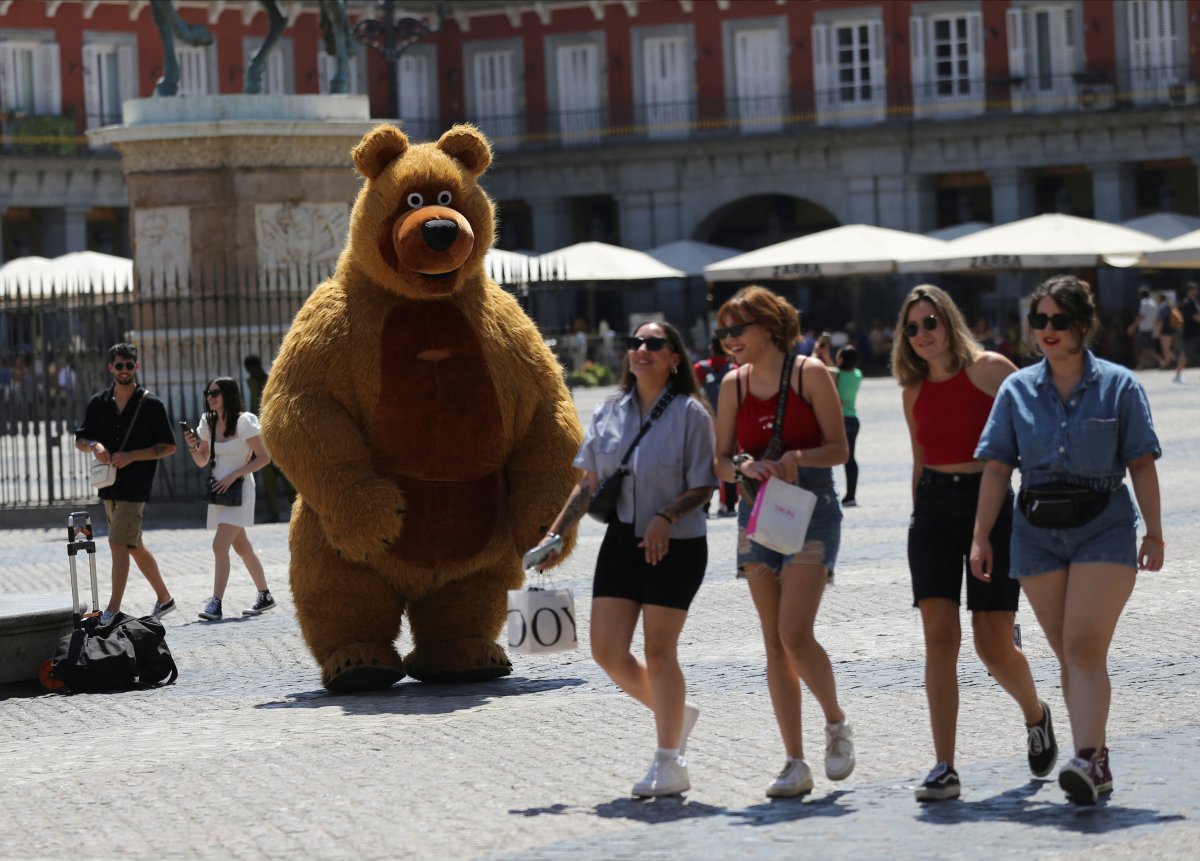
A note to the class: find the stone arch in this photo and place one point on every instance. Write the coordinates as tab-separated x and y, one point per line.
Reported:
753	221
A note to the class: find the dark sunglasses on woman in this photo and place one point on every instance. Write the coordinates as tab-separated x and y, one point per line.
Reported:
911	328
734	331
1059	322
652	344
212	393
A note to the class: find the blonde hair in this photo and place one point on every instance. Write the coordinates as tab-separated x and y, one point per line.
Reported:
756	304
907	367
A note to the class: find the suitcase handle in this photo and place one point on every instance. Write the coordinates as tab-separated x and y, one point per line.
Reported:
79	537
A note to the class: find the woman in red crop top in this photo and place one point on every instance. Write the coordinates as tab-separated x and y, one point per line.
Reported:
759	329
949	384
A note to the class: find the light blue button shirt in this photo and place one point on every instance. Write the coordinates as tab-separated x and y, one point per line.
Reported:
1086	441
675	455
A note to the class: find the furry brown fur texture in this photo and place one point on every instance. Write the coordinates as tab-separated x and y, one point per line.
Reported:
424	424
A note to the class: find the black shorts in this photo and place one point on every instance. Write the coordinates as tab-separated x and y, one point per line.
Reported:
623	572
939	544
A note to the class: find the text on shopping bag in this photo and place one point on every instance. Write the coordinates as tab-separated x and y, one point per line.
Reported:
779	519
541	621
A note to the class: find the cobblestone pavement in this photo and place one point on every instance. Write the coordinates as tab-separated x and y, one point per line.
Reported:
247	757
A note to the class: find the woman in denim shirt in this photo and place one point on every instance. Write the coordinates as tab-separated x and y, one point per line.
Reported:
1074	424
654	554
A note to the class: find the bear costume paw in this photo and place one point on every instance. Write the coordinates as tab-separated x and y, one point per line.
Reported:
466	660
361	667
368	520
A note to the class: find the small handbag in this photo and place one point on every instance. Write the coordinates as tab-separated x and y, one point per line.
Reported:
748	487
603	504
1061	506
102	475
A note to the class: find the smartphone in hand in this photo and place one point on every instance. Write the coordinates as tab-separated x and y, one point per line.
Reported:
542	552
187	428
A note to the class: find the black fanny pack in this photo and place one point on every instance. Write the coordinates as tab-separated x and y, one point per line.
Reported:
1061	506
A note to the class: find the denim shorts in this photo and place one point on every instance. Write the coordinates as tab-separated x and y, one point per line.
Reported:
1111	537
824	530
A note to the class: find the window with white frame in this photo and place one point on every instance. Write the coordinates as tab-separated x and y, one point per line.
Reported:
1157	59
1041	56
947	63
30	76
414	80
327	69
848	72
666	86
577	68
760	79
193	70
494	96
109	80
276	80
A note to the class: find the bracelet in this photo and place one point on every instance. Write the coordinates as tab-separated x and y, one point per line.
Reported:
664	517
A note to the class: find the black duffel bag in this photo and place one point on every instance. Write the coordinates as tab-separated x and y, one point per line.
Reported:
1061	506
127	653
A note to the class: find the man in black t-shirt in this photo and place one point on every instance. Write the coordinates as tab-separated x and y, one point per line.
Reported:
1189	347
127	426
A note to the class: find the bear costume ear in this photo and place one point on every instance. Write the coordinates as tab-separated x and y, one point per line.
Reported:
378	148
467	144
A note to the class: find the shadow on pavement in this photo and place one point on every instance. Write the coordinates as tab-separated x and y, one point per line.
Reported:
791	809
421	698
1019	805
655	810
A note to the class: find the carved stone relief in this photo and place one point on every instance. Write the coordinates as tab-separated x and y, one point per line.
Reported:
300	236
163	241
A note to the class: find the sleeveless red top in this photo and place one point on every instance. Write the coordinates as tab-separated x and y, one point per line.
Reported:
756	421
950	416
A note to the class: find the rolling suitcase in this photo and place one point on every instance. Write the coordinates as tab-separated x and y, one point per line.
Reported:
79	538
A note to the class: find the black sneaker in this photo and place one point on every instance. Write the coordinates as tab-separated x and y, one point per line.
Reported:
161	609
1043	749
265	601
212	610
942	783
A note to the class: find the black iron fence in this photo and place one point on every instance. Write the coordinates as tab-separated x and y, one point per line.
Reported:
188	329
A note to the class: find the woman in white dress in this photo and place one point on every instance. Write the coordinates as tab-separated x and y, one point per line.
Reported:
239	453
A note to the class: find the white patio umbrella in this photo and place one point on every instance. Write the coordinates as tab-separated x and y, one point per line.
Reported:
1164	225
1042	242
74	273
599	261
852	249
691	256
1182	252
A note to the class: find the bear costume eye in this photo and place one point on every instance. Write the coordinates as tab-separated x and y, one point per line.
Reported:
414	200
444	198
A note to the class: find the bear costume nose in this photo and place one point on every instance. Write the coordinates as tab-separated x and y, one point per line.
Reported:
439	233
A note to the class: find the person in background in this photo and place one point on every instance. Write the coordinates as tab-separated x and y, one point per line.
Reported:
654	554
1142	331
848	379
949	383
1189	349
1166	331
127	426
256	381
759	329
709	373
233	441
1073	424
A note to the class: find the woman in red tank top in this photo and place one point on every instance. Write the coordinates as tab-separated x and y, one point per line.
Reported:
759	329
949	384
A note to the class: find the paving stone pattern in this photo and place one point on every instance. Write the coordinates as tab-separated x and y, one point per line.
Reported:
247	757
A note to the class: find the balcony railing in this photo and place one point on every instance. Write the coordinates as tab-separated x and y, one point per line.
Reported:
40	135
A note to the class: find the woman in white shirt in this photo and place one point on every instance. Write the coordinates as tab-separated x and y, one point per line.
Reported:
238	452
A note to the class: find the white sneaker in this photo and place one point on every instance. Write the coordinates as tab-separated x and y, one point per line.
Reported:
691	714
839	751
795	779
665	777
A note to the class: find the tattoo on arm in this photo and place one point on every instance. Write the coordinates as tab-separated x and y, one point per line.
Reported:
160	450
576	507
687	502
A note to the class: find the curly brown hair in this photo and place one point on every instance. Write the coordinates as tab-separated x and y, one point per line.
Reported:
757	304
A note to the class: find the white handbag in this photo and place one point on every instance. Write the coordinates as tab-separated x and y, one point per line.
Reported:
541	621
102	475
780	517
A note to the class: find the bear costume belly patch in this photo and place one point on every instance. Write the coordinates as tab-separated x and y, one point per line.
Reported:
436	432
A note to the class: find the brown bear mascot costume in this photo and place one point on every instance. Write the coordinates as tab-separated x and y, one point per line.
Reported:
424	424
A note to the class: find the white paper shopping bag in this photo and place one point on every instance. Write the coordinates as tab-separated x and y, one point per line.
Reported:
541	621
779	519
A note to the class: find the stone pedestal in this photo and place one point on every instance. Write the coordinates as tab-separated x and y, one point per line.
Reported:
30	628
237	182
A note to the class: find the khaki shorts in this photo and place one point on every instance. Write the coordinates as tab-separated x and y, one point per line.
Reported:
124	522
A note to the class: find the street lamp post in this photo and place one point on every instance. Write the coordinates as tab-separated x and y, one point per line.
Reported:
392	38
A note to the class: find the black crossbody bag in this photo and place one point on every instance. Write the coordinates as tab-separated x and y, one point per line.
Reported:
603	505
1061	506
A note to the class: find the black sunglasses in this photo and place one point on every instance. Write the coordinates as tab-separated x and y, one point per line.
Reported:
124	366
1059	322
910	329
212	393
734	331
651	344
